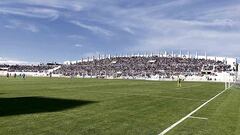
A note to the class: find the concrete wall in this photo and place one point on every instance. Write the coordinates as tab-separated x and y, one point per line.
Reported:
219	77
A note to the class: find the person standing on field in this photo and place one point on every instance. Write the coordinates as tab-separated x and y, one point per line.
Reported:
24	76
179	82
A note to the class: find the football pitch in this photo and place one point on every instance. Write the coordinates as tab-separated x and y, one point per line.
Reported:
61	106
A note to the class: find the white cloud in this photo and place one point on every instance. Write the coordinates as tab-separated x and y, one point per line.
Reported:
94	29
225	12
42	13
74	5
17	24
216	22
171	24
129	30
216	43
214	30
9	26
78	45
31	27
15	62
175	3
79	37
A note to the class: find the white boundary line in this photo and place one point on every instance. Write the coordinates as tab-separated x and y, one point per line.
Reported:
191	113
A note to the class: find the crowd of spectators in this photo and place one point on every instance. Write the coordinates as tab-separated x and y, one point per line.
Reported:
129	66
143	66
29	68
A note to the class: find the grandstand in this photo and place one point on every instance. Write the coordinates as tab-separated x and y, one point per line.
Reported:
153	66
148	66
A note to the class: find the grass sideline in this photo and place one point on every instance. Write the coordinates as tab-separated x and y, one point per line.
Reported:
62	106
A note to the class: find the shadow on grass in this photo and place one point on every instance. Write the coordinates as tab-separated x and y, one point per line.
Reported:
30	105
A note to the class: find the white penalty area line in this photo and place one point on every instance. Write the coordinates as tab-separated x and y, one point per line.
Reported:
200	118
191	113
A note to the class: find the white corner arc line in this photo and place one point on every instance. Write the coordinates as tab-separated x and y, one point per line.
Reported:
191	113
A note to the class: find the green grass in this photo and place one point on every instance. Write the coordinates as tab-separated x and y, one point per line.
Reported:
61	106
223	117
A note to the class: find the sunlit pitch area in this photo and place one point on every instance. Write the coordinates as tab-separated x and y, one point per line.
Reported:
91	106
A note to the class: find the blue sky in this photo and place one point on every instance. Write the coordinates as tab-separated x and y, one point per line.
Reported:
59	30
